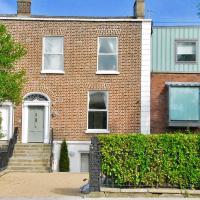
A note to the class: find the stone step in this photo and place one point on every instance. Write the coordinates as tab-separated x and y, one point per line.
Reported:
33	155
29	169
32	149
3	145
30	158
29	145
42	164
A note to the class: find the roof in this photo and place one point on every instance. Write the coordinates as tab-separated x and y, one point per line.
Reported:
69	18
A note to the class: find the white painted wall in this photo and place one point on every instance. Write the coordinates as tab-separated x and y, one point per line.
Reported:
145	77
6	110
75	148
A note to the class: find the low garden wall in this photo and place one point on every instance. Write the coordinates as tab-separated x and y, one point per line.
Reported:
145	161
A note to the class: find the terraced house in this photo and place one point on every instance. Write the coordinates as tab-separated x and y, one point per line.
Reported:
86	76
175	79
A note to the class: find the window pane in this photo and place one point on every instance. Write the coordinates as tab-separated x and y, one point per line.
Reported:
107	45
97	120
53	62
184	103
107	62
186	57
186	51
54	45
98	100
84	162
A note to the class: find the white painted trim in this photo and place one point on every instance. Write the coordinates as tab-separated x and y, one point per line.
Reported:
76	19
99	131
72	142
107	72
41	93
88	101
52	72
145	77
10	119
25	106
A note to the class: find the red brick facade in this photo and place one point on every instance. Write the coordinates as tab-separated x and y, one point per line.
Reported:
159	98
68	92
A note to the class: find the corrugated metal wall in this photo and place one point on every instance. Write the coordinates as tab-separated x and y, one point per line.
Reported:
163	49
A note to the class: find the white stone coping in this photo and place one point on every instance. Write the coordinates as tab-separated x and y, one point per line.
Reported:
151	190
122	19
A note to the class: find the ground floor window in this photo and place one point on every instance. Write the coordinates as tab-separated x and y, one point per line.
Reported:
184	104
98	110
84	162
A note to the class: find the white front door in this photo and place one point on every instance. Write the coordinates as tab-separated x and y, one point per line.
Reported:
4	126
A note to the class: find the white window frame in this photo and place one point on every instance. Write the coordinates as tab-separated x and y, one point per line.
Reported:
97	110
114	72
186	41
47	71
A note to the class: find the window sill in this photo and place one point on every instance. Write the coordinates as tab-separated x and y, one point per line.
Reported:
97	131
52	72
108	72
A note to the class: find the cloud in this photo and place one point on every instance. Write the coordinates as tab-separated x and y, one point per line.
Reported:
6	7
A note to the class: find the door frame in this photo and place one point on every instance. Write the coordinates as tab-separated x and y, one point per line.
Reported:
25	109
9	105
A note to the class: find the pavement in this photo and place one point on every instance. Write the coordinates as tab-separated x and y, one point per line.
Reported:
41	184
50	186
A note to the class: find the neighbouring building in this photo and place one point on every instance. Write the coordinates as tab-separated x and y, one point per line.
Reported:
86	76
175	78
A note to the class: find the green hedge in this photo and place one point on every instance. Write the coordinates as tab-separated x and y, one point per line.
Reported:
167	160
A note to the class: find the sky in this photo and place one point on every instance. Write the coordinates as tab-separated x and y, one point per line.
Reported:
161	11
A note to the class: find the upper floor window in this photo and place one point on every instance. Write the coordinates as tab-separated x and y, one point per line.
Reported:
98	112
53	54
107	55
186	51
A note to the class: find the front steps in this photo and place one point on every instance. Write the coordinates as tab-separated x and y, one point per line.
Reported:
3	144
30	158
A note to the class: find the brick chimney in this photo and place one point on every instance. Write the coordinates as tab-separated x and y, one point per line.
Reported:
139	9
24	8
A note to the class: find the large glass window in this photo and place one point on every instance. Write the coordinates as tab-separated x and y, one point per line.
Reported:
98	110
186	51
184	104
53	57
108	54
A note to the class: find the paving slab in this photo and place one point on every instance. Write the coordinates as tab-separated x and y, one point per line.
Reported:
41	185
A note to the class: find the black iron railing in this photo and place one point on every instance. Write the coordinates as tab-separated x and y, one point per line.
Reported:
51	143
6	154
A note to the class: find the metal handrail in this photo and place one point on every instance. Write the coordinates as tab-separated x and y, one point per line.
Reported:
5	155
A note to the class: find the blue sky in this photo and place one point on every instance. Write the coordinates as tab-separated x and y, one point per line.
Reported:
181	11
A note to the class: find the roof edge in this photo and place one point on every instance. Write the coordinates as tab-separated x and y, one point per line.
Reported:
103	19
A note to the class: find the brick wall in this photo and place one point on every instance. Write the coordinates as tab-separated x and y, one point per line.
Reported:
159	110
68	92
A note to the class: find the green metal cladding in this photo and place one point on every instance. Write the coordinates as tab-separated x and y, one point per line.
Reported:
163	49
